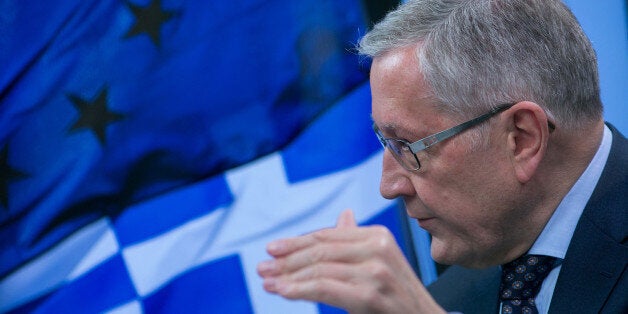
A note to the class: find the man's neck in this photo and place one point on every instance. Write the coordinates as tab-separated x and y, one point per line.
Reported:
569	152
568	155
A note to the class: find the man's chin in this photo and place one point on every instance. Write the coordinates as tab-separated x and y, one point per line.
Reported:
441	254
445	255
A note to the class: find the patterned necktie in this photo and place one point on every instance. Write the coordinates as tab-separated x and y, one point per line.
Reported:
521	281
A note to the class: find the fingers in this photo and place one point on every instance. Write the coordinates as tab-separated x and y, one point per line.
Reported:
346	219
287	246
360	269
351	287
330	283
332	271
342	252
330	291
321	253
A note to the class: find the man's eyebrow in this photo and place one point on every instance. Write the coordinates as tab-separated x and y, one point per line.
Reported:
388	129
385	126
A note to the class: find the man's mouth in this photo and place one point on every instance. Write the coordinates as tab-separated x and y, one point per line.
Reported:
425	222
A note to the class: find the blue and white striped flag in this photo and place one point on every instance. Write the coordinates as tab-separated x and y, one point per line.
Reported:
150	149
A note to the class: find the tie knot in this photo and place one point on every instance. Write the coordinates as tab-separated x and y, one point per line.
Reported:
521	281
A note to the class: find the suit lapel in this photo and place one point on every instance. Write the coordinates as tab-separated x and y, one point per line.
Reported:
596	258
589	272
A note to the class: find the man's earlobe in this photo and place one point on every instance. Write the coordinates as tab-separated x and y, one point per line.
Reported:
527	139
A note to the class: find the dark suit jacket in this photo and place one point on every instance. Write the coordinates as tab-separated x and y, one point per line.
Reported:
593	276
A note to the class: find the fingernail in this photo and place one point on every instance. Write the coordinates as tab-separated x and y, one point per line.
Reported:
270	284
266	267
274	247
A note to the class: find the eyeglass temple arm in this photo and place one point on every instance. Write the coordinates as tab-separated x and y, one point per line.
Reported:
443	135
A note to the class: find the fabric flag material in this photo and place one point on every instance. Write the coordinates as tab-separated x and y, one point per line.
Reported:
149	149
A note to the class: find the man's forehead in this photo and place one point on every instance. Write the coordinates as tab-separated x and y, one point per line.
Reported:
402	100
396	113
398	59
392	59
410	124
397	75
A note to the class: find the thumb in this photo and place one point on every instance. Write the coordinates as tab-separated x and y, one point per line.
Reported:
346	219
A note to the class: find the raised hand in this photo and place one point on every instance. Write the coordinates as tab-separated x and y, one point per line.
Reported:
360	269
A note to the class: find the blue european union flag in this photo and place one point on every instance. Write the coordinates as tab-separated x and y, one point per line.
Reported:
105	104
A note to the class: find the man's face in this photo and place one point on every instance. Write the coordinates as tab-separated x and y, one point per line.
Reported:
460	195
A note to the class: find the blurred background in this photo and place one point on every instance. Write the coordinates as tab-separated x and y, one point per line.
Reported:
149	149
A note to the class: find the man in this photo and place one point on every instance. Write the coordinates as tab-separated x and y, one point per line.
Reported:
525	168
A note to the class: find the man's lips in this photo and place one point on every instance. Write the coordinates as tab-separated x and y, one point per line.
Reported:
425	221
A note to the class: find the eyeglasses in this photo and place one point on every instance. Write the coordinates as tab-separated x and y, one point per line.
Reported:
405	152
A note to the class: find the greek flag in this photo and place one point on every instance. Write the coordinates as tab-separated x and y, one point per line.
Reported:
149	149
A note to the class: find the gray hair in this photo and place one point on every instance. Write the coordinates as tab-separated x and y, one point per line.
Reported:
477	54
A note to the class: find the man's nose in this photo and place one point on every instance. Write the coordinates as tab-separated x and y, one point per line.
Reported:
395	180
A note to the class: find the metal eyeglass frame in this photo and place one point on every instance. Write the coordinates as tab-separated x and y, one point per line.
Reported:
430	140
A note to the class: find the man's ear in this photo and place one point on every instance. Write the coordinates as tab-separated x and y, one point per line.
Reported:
527	138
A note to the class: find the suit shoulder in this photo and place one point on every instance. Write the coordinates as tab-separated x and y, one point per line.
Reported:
467	290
